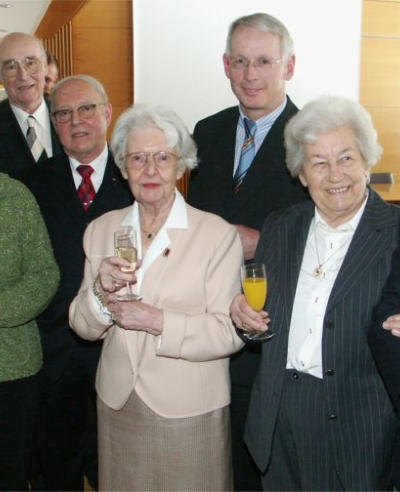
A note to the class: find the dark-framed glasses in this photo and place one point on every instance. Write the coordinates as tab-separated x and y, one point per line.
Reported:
31	64
85	112
261	63
162	159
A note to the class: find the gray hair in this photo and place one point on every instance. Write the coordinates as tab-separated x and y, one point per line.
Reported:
326	114
141	116
267	23
97	86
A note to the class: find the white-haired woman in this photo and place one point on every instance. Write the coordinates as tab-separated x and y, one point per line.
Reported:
162	381
319	415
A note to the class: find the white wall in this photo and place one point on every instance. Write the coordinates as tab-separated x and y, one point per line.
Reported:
178	47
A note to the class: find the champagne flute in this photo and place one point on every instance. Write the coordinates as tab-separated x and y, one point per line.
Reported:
255	287
125	245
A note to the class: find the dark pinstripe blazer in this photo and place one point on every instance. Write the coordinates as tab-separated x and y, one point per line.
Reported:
360	413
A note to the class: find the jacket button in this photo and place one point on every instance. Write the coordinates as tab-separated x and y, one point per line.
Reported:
329	372
329	324
332	416
295	375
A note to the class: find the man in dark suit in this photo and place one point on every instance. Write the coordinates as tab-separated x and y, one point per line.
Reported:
71	191
23	68
319	416
384	340
258	61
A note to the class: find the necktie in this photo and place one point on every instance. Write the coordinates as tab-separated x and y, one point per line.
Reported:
36	147
246	154
86	191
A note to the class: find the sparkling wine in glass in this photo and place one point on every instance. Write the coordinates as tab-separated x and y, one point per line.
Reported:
125	245
255	288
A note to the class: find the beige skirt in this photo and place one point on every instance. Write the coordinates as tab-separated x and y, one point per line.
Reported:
139	450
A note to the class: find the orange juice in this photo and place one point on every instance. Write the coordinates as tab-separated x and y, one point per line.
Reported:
255	290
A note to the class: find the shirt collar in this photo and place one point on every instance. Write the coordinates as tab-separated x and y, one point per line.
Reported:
41	115
177	217
98	164
267	120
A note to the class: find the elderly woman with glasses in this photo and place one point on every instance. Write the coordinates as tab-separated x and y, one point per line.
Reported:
162	380
319	416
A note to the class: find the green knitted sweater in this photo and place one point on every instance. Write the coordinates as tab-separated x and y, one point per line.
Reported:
28	279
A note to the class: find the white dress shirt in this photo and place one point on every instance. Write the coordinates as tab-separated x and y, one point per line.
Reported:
326	247
42	125
99	166
177	219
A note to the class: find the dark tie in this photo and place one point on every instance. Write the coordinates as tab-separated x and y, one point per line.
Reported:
246	154
36	147
86	191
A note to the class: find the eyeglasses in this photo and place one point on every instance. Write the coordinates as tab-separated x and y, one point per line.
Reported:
31	64
85	112
161	159
262	63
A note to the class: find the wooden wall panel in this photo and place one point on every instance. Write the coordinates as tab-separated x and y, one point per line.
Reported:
387	122
57	15
381	18
60	45
380	77
380	61
103	47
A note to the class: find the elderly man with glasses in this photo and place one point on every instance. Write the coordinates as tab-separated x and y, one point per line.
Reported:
26	132
72	190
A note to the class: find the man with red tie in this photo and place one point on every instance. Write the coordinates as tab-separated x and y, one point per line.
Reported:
72	190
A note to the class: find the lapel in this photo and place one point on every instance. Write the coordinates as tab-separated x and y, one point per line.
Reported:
112	193
223	153
269	160
64	187
368	245
292	243
55	142
12	134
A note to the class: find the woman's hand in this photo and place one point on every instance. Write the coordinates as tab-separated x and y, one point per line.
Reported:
245	318
136	315
392	324
111	278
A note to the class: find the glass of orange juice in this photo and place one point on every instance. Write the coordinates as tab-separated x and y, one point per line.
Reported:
255	288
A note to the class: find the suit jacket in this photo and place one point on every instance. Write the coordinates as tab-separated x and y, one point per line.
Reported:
15	154
360	412
185	371
266	187
386	347
54	189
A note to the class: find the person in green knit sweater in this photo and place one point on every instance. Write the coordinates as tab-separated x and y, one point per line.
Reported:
29	278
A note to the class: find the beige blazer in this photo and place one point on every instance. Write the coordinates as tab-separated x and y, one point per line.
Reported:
184	372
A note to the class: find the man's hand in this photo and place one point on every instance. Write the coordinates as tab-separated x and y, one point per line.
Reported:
249	238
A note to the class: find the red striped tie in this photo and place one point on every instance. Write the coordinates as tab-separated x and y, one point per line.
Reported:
86	191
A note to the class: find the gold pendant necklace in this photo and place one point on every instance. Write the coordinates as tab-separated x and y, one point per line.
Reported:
318	270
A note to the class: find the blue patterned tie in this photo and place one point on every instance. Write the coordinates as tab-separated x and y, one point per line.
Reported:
246	154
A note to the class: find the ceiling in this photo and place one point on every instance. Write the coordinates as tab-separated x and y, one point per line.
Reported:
21	15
